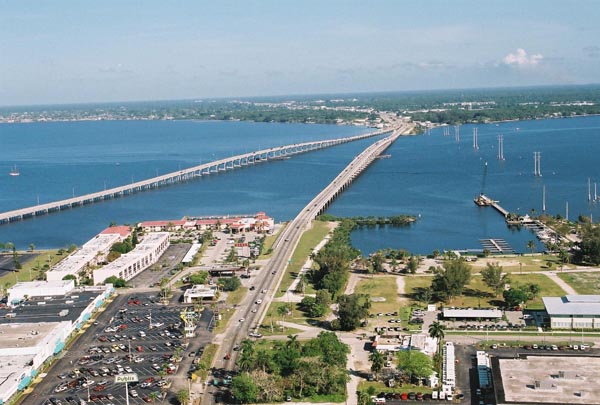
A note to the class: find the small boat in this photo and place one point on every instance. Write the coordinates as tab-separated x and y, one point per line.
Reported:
14	171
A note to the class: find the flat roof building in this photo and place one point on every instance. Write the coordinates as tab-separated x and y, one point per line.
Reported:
199	292
91	253
573	311
31	289
145	254
468	313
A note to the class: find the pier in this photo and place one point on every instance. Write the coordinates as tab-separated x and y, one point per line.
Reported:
484	201
222	165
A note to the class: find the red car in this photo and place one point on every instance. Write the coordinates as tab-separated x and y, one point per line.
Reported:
98	388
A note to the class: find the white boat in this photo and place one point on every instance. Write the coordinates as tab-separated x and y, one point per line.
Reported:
14	171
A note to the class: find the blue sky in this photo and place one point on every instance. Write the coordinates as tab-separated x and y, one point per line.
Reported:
79	51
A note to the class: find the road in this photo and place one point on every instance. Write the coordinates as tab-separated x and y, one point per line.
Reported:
284	247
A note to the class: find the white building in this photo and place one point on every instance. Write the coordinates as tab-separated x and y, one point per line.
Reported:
91	253
573	311
199	292
38	328
31	289
145	254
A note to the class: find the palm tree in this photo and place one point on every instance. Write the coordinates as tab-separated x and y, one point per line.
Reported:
154	396
183	396
282	311
377	362
531	246
293	343
436	330
263	361
364	398
31	247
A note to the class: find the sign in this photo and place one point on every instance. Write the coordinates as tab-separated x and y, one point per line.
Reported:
126	378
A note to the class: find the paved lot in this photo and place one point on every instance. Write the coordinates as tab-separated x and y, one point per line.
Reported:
154	349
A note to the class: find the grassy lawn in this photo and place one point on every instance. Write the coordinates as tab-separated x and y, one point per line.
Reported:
268	244
385	287
477	294
32	268
309	240
527	263
549	287
206	360
233	298
583	283
272	315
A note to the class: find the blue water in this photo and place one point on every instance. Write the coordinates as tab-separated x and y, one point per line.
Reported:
436	178
429	176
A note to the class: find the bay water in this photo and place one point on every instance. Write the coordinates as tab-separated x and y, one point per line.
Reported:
433	177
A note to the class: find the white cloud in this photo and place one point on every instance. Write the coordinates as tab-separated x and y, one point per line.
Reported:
520	58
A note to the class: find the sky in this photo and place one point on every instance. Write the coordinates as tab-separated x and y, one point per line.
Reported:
54	52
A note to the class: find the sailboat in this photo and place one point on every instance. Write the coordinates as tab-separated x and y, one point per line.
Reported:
14	171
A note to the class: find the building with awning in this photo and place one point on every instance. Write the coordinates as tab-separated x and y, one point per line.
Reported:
471	314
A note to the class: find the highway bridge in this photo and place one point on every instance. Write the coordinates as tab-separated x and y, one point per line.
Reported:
272	274
222	165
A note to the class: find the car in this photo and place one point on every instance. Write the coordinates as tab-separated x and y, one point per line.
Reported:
264	291
133	393
274	271
241	320
252	288
254	310
99	387
258	302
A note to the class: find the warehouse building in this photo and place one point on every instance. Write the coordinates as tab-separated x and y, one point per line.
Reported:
573	311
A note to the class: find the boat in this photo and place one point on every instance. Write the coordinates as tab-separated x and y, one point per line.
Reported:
14	172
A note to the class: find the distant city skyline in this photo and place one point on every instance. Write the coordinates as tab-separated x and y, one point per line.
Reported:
77	52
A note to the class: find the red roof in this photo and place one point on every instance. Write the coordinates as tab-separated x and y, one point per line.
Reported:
123	230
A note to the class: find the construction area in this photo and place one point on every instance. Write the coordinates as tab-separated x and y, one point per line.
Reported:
547	380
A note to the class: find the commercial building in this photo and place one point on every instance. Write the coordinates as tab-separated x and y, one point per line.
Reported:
32	289
145	254
472	314
546	380
395	343
573	311
199	292
90	254
259	222
38	327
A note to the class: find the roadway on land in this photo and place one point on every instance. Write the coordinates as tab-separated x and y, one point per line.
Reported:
230	163
285	245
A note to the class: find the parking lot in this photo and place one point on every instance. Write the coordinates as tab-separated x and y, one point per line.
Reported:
136	334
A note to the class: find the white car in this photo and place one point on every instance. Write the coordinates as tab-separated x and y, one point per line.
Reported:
133	393
242	319
258	302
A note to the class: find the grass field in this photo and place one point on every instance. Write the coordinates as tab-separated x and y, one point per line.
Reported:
268	244
309	240
583	283
517	264
384	287
477	294
31	269
233	298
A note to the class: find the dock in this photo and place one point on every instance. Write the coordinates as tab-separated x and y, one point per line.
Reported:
484	201
497	246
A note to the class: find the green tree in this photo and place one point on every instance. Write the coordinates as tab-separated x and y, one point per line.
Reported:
377	362
352	309
200	277
377	262
413	264
436	330
531	246
31	247
246	360
115	281
154	395
414	364
183	397
230	283
493	277
450	280
514	297
244	388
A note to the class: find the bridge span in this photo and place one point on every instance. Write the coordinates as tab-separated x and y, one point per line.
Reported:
222	165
